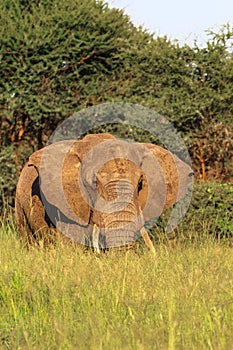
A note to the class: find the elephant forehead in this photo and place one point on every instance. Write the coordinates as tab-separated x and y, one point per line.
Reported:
113	149
105	152
119	168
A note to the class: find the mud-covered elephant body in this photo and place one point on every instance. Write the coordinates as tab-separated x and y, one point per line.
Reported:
97	191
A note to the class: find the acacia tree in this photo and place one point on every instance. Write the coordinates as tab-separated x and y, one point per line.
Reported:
211	141
58	57
193	88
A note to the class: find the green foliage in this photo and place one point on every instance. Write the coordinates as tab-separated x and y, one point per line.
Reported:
210	210
62	57
8	176
58	57
212	203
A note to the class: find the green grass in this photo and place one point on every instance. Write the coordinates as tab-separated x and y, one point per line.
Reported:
66	298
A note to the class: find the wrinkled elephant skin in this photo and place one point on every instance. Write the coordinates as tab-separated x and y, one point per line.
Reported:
97	191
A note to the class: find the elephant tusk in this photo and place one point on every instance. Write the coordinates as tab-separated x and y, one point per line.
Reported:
95	239
147	240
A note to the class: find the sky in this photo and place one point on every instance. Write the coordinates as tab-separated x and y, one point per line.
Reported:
179	19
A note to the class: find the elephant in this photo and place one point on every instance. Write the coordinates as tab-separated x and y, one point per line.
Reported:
97	191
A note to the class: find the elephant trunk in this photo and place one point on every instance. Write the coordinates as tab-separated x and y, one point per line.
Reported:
118	218
118	228
123	236
118	236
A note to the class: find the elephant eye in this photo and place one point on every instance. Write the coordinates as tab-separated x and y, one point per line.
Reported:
140	185
191	174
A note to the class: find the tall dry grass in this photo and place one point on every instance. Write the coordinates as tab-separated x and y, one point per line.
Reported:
67	298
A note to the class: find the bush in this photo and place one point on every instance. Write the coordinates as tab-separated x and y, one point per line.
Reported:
210	213
60	56
212	205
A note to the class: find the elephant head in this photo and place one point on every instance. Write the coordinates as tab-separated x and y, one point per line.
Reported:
100	189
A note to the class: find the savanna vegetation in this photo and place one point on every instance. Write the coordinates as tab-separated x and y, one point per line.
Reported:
67	298
58	57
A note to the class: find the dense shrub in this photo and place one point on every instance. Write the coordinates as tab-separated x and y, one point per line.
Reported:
212	204
58	57
210	210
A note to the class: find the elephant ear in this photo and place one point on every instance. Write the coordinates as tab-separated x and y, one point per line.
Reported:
178	174
152	196
185	177
161	182
178	180
167	180
170	173
58	166
61	185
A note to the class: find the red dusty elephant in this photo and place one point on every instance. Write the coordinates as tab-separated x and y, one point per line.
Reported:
98	191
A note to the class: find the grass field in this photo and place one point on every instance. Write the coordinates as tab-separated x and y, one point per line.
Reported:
66	298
